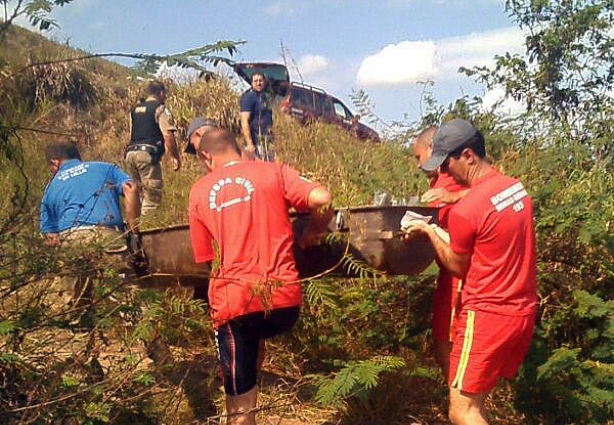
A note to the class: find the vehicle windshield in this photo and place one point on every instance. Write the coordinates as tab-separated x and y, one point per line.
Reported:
341	110
276	74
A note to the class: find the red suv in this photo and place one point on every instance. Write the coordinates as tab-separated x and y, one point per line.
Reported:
306	103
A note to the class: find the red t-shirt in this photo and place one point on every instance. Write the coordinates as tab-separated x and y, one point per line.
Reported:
494	224
243	208
447	182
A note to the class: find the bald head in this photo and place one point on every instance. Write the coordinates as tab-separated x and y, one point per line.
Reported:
425	138
219	141
423	145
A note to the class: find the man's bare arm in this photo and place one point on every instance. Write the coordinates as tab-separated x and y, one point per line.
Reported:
245	131
457	264
132	204
170	143
319	203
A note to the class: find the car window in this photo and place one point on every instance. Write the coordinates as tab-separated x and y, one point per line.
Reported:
341	110
302	98
323	104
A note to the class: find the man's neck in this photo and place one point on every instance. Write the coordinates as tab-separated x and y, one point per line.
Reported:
224	160
480	170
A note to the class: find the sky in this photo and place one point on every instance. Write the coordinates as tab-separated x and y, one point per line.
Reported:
384	47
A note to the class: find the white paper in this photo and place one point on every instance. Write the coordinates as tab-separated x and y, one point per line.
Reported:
411	216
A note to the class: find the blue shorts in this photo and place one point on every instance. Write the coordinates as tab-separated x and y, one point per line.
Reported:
238	341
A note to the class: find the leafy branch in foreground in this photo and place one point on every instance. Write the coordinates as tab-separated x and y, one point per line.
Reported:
36	11
150	63
365	106
355	379
193	58
359	268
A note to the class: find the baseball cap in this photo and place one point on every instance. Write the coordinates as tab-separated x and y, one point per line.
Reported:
450	137
195	124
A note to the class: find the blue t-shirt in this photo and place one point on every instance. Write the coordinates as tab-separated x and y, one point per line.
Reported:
83	194
261	115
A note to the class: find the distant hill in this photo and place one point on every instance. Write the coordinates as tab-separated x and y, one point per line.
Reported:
23	47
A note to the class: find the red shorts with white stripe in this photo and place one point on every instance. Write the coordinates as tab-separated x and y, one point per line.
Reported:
444	311
487	347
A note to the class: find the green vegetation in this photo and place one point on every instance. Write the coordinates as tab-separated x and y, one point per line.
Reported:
359	354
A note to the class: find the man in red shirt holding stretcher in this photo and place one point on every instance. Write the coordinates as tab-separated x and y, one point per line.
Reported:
444	192
239	220
492	248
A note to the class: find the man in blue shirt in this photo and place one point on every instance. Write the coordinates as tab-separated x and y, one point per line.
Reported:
81	206
257	119
85	194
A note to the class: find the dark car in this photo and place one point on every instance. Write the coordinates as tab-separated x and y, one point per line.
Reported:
306	103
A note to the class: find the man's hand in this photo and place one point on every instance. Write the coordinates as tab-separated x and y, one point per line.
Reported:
176	164
439	194
413	228
52	239
442	195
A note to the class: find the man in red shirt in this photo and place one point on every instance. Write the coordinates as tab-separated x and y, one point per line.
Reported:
444	193
492	248
239	221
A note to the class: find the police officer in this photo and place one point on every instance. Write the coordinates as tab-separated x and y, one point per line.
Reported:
152	134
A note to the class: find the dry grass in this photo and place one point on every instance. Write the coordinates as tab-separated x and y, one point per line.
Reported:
354	170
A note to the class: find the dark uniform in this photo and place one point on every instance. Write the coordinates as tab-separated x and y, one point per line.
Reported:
150	119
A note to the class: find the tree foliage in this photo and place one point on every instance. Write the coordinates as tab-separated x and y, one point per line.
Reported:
561	149
358	335
36	11
567	72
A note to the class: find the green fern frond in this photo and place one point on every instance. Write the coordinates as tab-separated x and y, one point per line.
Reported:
355	379
321	295
359	268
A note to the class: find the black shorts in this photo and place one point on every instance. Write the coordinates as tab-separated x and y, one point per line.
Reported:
238	341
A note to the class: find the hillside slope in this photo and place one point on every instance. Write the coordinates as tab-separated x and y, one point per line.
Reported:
360	354
88	102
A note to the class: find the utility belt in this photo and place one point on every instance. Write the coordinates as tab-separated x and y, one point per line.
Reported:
155	150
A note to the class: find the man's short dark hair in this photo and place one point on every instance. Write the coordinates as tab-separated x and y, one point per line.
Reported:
218	140
62	151
476	144
155	87
258	73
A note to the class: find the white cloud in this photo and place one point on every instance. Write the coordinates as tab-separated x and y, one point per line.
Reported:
406	62
479	49
312	64
280	8
495	100
411	61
